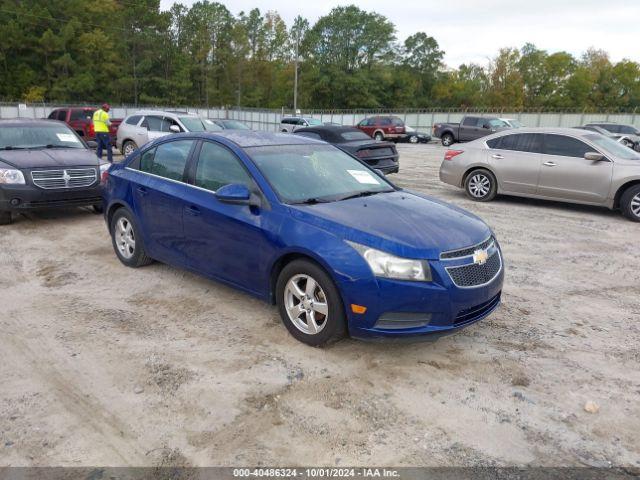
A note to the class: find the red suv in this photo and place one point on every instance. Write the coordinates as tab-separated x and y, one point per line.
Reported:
80	119
384	127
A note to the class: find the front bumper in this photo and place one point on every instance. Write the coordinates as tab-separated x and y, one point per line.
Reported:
420	310
18	198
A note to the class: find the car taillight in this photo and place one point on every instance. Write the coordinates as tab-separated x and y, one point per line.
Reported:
449	154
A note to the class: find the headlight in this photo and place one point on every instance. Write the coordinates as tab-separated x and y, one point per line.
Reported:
11	177
384	264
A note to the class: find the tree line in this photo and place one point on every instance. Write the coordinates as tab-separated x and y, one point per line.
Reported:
132	52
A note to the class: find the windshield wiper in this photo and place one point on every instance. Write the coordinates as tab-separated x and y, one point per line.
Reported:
11	147
364	193
311	201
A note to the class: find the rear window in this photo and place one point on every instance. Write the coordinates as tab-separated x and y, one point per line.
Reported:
133	120
309	134
471	121
355	136
521	142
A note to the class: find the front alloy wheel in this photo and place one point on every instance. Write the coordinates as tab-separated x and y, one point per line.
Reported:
630	203
413	139
481	185
309	303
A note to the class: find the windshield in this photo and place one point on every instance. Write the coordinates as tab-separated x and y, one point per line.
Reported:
193	124
38	136
613	147
355	136
309	173
497	123
234	125
313	121
514	123
211	126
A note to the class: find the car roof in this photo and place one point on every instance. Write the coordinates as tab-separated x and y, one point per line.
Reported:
28	122
331	131
168	113
252	138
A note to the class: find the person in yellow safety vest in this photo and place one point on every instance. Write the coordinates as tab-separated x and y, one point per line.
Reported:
101	124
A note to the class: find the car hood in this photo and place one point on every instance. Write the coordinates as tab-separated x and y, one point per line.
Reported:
44	158
403	223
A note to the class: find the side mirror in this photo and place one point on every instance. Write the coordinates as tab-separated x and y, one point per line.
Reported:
236	194
174	128
594	156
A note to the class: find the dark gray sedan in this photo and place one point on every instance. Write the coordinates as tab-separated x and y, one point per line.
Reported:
379	155
44	164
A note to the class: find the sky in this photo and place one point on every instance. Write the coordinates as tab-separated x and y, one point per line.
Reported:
474	30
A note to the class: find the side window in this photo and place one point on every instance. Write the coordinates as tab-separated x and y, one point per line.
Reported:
168	160
286	121
166	124
62	115
133	120
53	115
218	167
470	121
495	142
153	123
302	122
309	134
565	146
80	114
398	122
385	122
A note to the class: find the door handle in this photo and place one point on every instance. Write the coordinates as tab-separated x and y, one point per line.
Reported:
549	164
193	211
142	191
497	156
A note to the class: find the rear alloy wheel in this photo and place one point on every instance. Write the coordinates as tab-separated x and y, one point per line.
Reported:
309	303
128	148
630	203
413	139
126	240
447	139
5	218
481	185
379	136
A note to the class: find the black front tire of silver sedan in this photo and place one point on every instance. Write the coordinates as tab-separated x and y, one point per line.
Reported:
481	185
126	239
5	218
630	203
309	304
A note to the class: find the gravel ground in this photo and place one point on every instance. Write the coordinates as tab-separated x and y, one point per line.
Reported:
105	365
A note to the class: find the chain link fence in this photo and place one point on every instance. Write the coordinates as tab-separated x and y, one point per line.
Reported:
422	119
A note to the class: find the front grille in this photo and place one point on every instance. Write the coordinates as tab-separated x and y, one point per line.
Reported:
473	313
474	275
64	178
465	252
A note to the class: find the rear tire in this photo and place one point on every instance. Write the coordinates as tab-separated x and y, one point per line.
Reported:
447	140
413	139
378	136
301	304
128	147
127	241
630	203
5	218
481	185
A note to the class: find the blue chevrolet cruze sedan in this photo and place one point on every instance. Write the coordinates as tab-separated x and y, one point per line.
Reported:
299	223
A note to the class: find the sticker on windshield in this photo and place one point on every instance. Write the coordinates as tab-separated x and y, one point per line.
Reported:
67	137
363	176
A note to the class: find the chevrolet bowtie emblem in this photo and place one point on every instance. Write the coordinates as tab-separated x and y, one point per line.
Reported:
480	257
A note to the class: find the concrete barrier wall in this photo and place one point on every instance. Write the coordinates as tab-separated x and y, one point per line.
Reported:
270	119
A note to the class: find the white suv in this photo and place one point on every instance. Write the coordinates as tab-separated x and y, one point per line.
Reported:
291	124
147	125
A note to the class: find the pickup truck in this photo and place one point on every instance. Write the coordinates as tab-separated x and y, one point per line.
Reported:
470	128
80	120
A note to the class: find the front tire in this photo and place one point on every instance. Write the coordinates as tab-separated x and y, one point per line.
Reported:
447	139
309	304
5	218
481	185
127	241
413	139
379	136
630	203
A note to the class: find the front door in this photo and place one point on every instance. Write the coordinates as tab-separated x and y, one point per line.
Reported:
158	197
566	175
154	127
223	240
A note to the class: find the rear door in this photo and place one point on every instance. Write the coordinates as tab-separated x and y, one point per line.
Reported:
516	161
567	175
158	192
224	240
469	129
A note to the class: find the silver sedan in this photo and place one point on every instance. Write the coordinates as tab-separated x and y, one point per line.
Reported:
561	164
